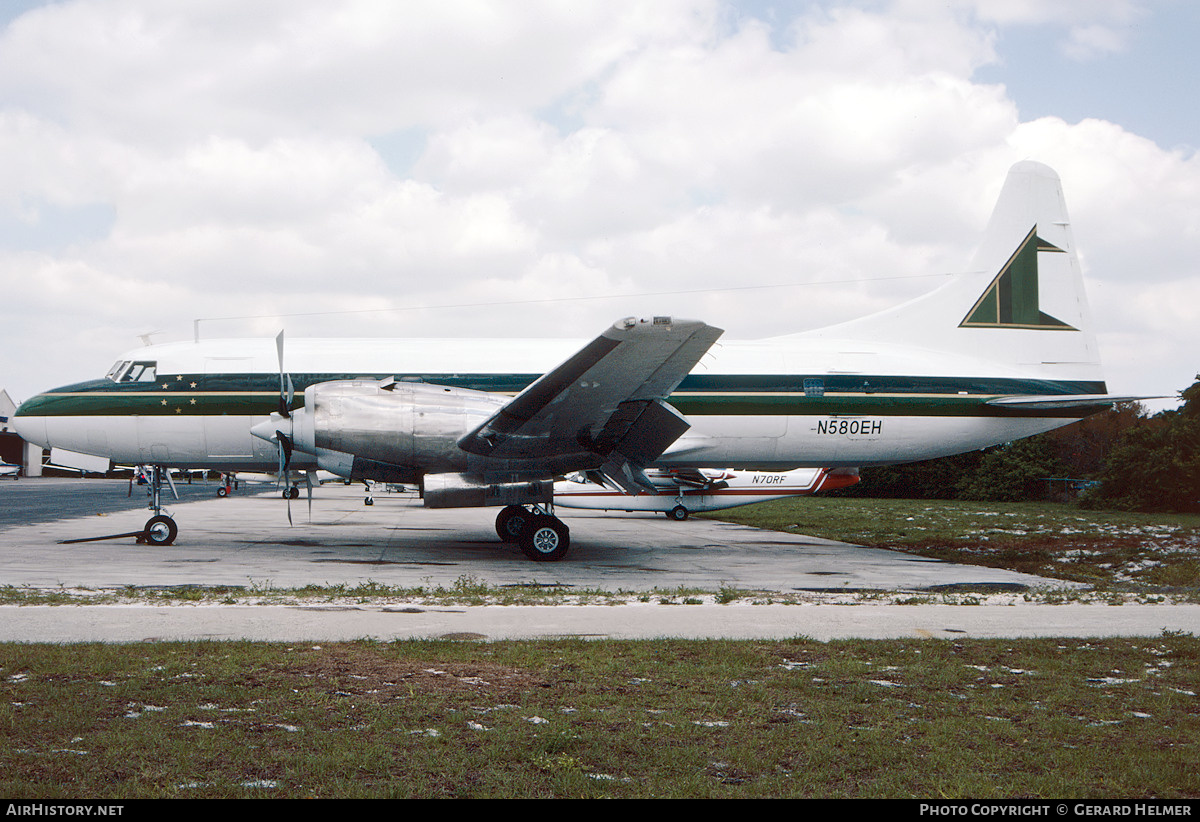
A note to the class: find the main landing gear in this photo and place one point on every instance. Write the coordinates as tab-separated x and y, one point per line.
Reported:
542	536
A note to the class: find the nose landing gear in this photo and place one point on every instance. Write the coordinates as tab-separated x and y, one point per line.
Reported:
160	529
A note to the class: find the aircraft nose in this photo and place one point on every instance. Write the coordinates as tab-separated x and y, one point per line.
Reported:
29	428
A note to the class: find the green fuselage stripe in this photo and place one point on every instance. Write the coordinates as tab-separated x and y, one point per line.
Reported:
735	395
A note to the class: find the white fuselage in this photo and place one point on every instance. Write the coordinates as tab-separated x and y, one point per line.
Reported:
771	405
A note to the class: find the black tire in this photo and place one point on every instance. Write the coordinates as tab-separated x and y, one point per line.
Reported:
546	539
678	513
511	521
222	492
293	493
160	530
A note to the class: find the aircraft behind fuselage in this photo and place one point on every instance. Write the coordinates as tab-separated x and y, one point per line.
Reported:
1003	352
679	493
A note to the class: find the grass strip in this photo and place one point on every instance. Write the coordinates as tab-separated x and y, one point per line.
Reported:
1108	549
725	719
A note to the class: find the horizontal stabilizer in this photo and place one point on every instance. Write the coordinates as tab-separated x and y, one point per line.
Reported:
1051	401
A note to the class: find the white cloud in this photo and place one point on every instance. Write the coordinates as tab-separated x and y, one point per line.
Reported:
152	72
1089	42
1090	28
558	151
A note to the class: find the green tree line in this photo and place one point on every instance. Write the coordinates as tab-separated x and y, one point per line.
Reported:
1126	459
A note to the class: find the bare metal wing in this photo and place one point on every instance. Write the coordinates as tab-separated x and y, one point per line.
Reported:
604	407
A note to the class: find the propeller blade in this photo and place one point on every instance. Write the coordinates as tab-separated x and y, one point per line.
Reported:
285	460
285	451
308	482
285	389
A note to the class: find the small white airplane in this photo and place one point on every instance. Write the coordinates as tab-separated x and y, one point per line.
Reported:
1004	351
231	482
680	492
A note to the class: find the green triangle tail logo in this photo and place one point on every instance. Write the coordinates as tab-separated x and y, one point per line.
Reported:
1011	300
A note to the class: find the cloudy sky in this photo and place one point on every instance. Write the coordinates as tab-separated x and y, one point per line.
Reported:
542	168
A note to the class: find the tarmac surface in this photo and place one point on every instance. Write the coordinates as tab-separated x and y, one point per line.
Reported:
245	540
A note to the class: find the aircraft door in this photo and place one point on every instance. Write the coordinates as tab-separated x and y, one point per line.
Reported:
229	394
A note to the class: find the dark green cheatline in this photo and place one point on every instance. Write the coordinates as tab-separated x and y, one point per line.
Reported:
765	394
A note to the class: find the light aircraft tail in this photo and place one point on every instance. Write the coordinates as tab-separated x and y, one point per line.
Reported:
1021	304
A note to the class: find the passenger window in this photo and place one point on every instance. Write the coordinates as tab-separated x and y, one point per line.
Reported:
814	388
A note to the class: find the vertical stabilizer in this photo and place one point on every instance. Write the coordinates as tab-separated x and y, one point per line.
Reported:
1022	302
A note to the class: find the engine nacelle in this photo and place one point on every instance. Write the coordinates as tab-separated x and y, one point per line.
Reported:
462	491
398	425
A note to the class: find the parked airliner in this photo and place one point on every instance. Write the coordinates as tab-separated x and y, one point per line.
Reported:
1004	351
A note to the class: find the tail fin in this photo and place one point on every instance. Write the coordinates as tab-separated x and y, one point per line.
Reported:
1021	304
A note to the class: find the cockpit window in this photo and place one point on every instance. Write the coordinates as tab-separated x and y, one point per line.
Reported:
133	372
114	373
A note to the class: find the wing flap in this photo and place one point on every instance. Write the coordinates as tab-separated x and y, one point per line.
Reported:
641	430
